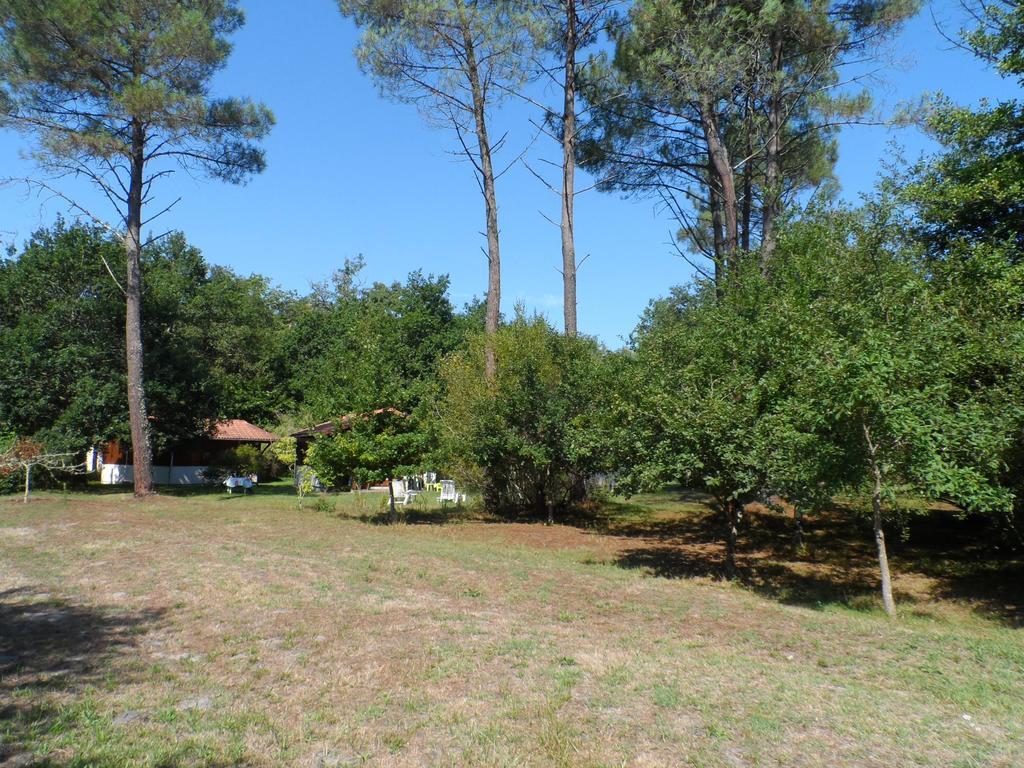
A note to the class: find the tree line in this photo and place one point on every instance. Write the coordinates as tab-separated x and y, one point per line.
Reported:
870	355
117	93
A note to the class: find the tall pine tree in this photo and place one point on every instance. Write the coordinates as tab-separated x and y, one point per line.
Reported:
117	92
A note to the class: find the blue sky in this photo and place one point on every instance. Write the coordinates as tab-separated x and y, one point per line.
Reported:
352	173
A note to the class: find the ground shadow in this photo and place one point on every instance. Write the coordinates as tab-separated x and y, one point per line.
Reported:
837	564
95	488
50	651
440	515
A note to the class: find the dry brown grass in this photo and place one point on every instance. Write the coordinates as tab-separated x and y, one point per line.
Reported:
221	631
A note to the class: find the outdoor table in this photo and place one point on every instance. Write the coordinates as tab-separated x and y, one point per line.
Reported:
244	483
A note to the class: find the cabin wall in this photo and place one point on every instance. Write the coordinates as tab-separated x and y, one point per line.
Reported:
184	465
117	474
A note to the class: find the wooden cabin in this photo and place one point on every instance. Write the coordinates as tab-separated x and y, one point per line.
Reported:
184	463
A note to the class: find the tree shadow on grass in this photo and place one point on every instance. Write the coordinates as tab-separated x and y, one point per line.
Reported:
837	564
95	488
448	514
50	652
944	556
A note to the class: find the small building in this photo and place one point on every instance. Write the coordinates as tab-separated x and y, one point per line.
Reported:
185	463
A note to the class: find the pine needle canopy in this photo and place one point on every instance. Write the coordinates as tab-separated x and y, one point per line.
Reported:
84	77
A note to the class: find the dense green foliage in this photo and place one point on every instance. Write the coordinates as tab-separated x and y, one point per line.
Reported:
218	345
966	213
350	348
843	363
369	448
62	340
535	431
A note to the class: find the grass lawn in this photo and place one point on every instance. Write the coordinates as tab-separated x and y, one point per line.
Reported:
216	630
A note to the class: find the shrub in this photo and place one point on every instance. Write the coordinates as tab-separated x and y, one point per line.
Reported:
325	505
534	435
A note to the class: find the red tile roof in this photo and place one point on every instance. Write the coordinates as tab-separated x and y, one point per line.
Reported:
241	430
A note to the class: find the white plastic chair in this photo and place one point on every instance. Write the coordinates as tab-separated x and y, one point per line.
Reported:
448	492
405	498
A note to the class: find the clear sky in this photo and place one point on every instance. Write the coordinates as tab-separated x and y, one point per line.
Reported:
352	173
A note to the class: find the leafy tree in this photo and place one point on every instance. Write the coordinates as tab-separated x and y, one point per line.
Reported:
535	431
118	93
703	378
62	337
371	447
840	371
964	204
285	451
456	60
213	351
354	349
881	371
238	325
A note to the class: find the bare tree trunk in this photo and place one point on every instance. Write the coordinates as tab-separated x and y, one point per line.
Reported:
773	171
718	155
569	172
493	309
28	482
547	500
798	529
142	455
392	510
716	232
883	559
747	205
876	507
732	519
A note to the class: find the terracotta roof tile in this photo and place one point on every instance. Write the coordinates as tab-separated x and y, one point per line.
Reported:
240	429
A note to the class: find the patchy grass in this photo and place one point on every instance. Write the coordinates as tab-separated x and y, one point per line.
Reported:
215	630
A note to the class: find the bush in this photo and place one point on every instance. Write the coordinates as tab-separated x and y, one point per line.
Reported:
325	505
11	481
534	436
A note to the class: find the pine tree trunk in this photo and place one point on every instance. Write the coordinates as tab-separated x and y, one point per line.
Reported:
798	530
569	172
142	456
747	204
716	232
493	308
723	179
773	172
28	482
